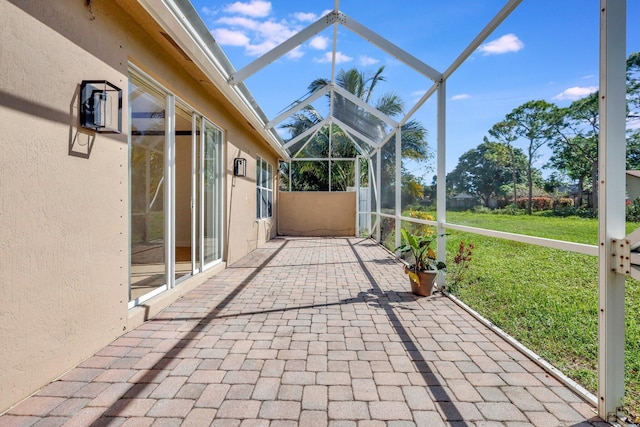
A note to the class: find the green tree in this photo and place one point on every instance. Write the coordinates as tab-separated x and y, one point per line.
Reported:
633	150
504	132
633	87
534	122
633	111
554	183
575	145
482	171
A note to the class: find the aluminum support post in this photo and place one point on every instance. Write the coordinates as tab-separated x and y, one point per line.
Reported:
398	198
611	205
379	187
356	168
441	187
169	190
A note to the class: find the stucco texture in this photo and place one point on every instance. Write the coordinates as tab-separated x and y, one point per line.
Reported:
64	199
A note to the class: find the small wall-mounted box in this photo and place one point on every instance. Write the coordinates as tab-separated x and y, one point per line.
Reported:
239	166
100	106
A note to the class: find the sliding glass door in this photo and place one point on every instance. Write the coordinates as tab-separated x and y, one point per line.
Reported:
207	194
176	190
147	204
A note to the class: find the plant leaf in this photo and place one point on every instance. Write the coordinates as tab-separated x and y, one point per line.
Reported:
413	276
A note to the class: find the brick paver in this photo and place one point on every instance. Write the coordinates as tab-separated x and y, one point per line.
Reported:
307	332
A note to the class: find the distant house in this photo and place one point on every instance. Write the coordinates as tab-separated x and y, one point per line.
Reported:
463	201
633	184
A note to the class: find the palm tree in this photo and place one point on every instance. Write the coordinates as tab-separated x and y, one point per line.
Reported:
314	174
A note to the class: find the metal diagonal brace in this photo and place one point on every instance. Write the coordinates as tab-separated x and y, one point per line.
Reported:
285	47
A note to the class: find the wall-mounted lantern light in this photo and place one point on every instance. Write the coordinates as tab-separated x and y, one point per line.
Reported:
240	166
100	106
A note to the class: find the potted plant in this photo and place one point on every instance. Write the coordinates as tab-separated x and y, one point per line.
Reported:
424	269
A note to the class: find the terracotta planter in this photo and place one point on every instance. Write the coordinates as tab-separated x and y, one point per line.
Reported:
424	286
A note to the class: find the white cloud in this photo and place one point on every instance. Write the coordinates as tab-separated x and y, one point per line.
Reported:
250	24
254	8
238	21
228	37
296	53
305	17
367	60
319	42
275	31
207	11
575	92
340	58
505	44
264	35
460	97
260	48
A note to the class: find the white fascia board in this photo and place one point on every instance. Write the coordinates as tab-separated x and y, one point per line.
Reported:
282	49
299	106
360	103
391	49
305	133
167	15
346	127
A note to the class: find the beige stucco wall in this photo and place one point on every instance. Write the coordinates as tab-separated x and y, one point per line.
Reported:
317	214
245	231
64	218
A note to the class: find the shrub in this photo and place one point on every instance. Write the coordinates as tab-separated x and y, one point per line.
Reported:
510	210
481	209
582	212
422	229
415	213
633	210
562	203
460	265
537	203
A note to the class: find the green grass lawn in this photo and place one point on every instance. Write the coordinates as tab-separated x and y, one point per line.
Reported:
571	229
545	298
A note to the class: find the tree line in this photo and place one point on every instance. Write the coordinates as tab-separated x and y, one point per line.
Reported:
504	162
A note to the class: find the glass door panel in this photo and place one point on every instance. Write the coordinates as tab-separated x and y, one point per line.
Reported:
196	194
176	187
184	171
147	151
212	193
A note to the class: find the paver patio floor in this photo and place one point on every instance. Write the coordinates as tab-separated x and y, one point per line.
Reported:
311	332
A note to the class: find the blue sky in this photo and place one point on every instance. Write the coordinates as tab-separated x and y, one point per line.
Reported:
546	49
